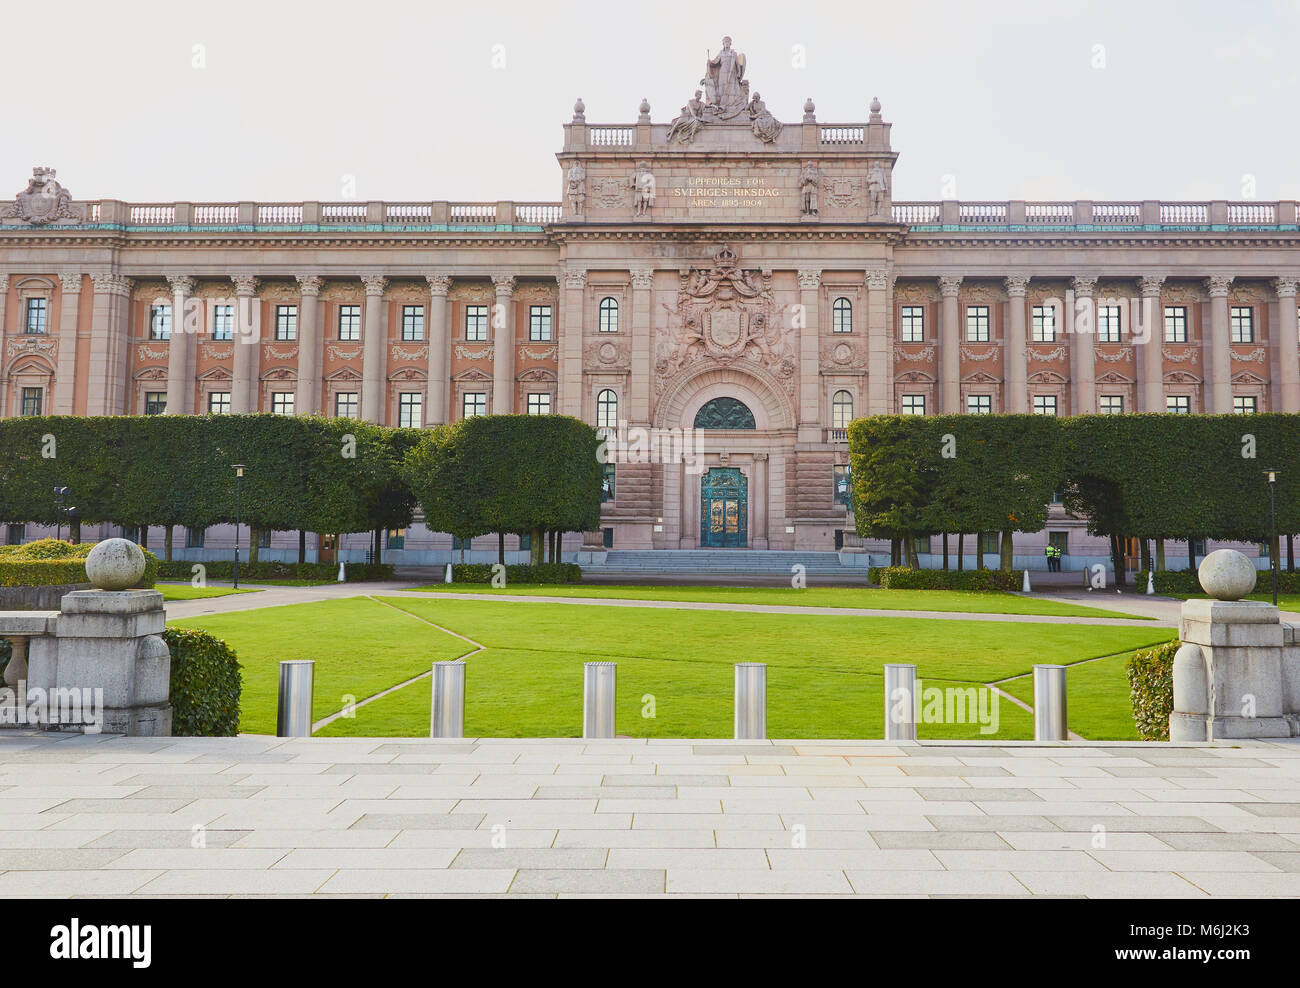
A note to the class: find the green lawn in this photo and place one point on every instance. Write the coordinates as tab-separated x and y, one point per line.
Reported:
1092	689
183	591
863	597
824	672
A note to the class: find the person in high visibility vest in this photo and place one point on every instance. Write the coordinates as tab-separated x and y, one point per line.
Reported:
1053	554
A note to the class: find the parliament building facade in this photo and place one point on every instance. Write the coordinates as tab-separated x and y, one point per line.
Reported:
734	287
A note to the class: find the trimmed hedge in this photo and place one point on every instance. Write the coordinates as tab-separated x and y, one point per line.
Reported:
49	562
1151	688
224	569
905	578
1184	582
205	684
542	573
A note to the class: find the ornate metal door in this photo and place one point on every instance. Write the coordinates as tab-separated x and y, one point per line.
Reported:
724	508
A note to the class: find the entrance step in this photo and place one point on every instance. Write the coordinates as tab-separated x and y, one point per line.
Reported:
724	562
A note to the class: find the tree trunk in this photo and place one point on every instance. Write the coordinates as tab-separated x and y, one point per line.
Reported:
1117	561
979	550
909	546
961	548
379	545
167	543
1160	555
254	543
1146	555
302	547
501	548
144	537
535	547
945	551
1290	555
1191	554
1007	546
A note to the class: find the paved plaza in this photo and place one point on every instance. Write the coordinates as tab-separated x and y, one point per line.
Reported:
86	815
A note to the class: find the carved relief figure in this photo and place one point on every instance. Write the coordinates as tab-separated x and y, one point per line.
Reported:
726	70
683	128
809	177
576	189
643	189
765	126
877	187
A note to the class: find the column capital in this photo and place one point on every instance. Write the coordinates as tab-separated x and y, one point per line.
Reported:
575	278
1285	285
439	284
1084	285
949	285
4	284
375	284
760	457
809	278
643	277
245	285
182	284
877	279
111	284
1151	285
1218	285
309	284
1016	284
69	280
504	285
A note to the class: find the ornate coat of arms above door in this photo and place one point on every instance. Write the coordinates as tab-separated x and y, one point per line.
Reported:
726	331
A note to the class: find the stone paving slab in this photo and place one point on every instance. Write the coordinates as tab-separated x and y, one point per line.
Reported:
84	815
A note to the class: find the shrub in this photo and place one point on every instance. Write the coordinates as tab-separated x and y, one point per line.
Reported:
1184	582
1151	688
49	562
904	578
224	569
543	573
205	684
48	549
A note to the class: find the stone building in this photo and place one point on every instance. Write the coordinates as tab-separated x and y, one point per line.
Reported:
723	292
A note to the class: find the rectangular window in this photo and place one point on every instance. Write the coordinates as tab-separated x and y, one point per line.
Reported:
989	542
1241	404
539	323
473	403
345	405
410	410
921	544
1111	404
977	324
219	403
1243	324
155	402
160	322
286	322
194	538
37	309
476	323
1175	324
979	404
1108	324
349	323
1044	404
525	543
1044	324
395	539
264	539
223	322
1178	404
913	319
607	483
458	543
1198	547
282	403
539	404
412	322
31	401
843	480
1061	540
15	533
913	404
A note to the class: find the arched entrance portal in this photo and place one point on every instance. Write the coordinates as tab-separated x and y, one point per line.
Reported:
724	509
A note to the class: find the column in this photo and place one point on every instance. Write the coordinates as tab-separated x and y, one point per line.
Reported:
435	399
1150	359
949	346
642	357
106	391
760	501
571	335
65	379
1085	339
307	399
503	346
809	359
180	389
880	342
1218	389
1288	346
248	332
1016	359
4	306
374	335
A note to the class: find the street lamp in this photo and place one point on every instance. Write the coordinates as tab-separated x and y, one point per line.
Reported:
60	496
239	476
1272	514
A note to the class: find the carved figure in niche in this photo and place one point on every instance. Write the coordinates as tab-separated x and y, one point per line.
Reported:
809	178
643	189
877	187
576	188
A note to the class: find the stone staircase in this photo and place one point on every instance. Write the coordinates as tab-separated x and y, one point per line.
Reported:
730	563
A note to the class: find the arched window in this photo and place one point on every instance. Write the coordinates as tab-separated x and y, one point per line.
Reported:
607	410
842	316
609	315
841	410
724	413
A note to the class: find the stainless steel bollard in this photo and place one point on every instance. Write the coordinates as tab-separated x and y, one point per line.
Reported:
900	702
1050	713
598	693
447	711
293	711
751	701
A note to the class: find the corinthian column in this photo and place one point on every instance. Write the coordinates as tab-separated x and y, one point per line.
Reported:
642	357
1150	359
248	345
570	364
503	346
1083	346
809	380
1016	366
1219	385
880	342
373	349
307	400
949	346
180	389
1288	345
109	341
66	375
435	412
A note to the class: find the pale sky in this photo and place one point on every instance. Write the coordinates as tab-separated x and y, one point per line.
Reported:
1054	99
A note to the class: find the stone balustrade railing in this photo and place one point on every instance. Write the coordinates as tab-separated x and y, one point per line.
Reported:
1147	215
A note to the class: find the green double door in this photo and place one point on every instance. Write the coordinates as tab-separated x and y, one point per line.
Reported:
724	507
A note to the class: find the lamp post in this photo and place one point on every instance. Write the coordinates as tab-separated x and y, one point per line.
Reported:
60	496
239	476
1272	514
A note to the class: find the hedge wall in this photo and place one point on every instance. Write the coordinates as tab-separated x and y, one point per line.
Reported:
539	573
49	562
1184	583
1151	688
205	684
905	578
224	569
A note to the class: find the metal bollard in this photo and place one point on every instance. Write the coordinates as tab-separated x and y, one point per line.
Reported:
751	701
1050	714
293	711
598	693
900	702
447	711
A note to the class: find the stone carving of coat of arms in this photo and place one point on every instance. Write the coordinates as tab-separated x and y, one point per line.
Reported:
609	192
726	331
44	200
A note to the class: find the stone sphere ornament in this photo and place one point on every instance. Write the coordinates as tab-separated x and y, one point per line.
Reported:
1226	574
115	564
